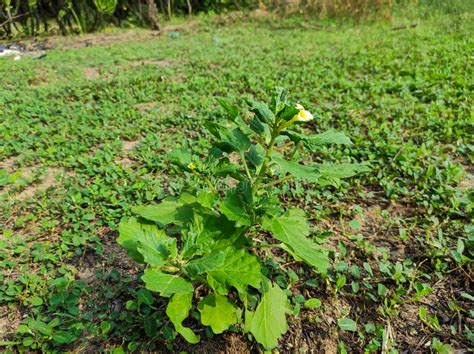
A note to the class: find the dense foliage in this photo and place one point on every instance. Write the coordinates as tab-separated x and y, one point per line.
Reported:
85	139
30	17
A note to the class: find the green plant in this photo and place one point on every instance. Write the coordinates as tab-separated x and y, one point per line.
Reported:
210	238
106	7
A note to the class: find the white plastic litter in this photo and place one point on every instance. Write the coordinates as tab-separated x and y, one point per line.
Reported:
9	52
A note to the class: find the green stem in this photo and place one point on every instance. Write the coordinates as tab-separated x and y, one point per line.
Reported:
247	171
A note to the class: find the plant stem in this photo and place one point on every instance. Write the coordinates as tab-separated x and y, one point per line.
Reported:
247	171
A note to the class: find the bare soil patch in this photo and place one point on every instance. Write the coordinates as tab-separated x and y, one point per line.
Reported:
145	107
128	146
91	73
48	180
8	163
10	319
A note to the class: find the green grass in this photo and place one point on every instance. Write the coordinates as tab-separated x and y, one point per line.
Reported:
401	236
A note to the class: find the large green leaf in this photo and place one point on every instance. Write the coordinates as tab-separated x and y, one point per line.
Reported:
233	111
233	207
268	323
328	137
145	242
165	284
206	263
256	155
300	172
314	140
236	138
177	311
217	312
167	212
261	110
292	229
332	173
240	269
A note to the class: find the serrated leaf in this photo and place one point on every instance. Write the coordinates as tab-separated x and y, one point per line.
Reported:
292	229
217	312
240	269
268	323
177	311
233	208
165	284
145	242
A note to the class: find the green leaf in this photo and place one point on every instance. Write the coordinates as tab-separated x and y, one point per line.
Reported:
233	207
217	312
150	326
346	324
312	303
240	269
63	337
235	138
177	311
232	110
36	301
332	173
292	229
315	140
165	284
261	110
255	155
167	212
299	172
180	157
145	242
205	263
145	297
40	327
268	323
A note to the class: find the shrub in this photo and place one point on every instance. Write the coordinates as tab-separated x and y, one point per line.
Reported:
211	238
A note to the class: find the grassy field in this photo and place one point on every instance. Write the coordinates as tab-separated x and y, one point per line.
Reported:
85	133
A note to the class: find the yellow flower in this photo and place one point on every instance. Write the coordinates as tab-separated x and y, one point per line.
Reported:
192	166
303	115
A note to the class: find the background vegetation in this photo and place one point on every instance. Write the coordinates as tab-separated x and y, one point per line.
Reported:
31	17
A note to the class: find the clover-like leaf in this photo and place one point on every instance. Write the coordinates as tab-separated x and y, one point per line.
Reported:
217	312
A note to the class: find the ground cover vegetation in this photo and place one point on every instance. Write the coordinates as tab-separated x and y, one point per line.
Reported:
95	140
